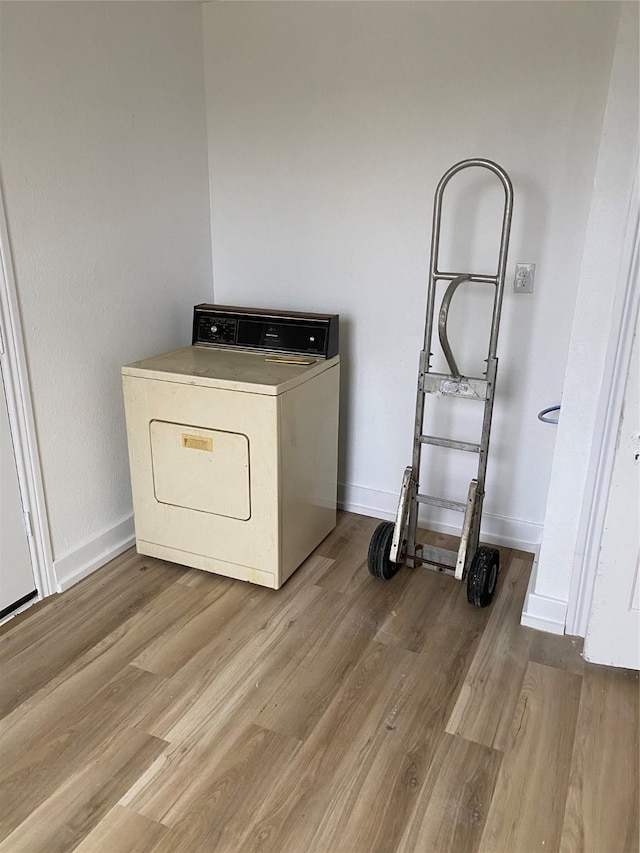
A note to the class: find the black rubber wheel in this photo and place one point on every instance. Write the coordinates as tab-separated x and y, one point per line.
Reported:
380	566
483	576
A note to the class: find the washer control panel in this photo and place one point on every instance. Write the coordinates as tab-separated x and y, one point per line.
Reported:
259	329
217	330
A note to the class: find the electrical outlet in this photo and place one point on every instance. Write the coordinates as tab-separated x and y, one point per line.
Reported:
523	281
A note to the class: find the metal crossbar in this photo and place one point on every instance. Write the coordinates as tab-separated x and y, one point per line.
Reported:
441	502
447	442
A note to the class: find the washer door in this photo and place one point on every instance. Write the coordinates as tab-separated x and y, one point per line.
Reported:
201	469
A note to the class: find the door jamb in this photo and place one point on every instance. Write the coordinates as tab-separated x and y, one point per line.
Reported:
610	406
21	421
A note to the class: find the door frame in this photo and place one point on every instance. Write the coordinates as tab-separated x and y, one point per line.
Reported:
21	421
608	420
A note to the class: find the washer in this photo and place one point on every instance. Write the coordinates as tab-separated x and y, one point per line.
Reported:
233	443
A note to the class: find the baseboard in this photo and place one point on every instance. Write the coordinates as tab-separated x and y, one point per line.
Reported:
499	530
80	562
540	611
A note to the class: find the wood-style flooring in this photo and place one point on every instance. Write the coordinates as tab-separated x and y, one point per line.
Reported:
158	709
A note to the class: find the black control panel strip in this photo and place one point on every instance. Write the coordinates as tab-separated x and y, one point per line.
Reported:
265	330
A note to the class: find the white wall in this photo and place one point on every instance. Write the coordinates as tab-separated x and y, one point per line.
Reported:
329	126
104	167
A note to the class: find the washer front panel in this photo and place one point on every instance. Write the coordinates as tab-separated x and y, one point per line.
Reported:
178	517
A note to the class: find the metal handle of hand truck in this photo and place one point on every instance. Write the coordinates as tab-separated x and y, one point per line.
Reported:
434	272
442	324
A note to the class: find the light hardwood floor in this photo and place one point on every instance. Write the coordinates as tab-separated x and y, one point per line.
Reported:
159	709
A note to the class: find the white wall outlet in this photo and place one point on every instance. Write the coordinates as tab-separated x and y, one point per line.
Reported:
523	281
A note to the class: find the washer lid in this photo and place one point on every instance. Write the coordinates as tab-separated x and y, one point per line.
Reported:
235	370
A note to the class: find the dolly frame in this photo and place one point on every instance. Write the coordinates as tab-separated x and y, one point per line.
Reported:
403	545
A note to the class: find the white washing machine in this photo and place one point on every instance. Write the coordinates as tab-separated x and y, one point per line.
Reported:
233	443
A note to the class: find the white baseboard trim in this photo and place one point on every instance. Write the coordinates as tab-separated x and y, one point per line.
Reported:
540	611
497	529
85	559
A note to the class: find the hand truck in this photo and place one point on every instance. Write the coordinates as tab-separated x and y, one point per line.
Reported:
393	544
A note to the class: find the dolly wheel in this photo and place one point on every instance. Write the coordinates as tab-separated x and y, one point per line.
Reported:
380	566
482	577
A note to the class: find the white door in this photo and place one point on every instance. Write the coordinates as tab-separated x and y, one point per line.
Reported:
16	574
613	631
